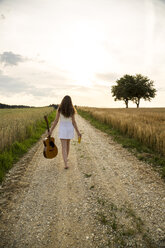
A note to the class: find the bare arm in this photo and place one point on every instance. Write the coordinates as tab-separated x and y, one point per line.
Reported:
54	123
75	125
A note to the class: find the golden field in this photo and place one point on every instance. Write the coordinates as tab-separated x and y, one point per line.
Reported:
144	124
17	124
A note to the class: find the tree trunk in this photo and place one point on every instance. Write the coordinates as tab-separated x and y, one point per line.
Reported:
126	103
138	102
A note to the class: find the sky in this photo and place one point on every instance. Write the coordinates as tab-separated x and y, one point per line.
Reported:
53	48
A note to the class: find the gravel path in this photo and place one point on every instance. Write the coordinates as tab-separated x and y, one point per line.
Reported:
107	198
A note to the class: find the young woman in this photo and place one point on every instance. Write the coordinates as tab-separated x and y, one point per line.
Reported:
66	114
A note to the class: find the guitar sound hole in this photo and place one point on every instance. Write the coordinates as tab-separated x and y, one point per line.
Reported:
51	144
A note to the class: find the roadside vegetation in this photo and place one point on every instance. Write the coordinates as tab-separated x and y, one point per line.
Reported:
19	130
140	130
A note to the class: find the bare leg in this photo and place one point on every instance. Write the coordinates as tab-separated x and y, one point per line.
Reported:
64	151
68	146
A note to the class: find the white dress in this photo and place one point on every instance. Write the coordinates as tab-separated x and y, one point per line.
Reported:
66	129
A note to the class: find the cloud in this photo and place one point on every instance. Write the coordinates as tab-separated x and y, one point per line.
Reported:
11	59
107	77
163	1
2	16
10	86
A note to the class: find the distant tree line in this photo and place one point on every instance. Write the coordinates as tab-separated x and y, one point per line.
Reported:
133	88
6	106
54	106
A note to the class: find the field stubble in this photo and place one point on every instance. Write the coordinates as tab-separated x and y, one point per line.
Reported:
18	124
145	125
19	130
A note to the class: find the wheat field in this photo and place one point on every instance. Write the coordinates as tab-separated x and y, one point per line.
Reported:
144	124
17	124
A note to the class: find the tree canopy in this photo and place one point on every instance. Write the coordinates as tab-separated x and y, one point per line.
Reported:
133	88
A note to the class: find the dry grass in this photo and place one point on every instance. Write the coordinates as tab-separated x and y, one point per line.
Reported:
146	125
17	124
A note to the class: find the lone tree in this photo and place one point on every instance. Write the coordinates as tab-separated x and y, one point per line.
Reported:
123	89
133	88
143	88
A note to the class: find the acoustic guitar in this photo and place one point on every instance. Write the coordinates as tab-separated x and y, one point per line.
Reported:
50	149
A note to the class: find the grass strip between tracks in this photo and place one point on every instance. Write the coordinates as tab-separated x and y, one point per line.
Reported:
141	151
11	155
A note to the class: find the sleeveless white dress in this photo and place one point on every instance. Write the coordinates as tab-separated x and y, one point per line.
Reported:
66	129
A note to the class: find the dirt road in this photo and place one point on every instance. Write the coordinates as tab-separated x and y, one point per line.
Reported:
107	198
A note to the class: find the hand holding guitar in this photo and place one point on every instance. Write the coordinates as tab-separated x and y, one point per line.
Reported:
49	133
50	149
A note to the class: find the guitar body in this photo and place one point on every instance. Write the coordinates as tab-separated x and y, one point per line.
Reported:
50	149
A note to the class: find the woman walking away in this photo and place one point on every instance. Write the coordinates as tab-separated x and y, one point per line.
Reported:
66	113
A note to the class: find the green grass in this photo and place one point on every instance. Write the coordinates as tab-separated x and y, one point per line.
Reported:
92	187
87	175
141	151
12	154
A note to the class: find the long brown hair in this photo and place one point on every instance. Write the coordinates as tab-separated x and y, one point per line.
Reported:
66	107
